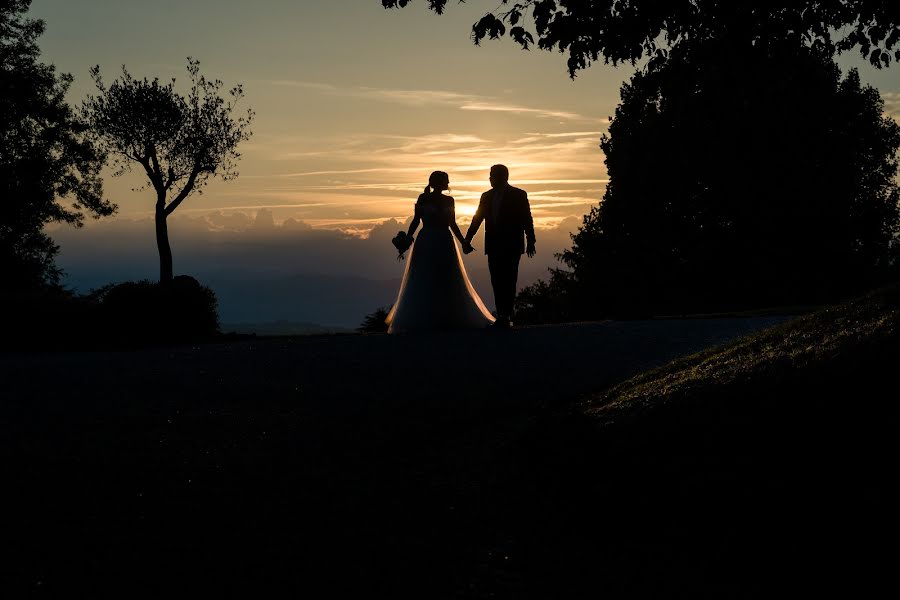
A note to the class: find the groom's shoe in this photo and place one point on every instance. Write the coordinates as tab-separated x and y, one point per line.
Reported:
502	322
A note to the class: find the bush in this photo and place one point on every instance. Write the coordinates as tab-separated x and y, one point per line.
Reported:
122	314
136	312
553	301
374	322
46	317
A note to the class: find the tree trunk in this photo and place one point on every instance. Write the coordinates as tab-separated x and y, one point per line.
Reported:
162	244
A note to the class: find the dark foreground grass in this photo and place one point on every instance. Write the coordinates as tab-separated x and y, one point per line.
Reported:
761	468
758	469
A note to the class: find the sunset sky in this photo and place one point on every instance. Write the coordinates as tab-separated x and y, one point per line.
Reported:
355	106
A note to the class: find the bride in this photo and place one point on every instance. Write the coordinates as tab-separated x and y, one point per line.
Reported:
435	292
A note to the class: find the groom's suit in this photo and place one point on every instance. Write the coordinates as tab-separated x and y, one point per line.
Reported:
507	225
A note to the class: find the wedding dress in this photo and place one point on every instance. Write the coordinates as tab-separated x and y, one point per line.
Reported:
435	292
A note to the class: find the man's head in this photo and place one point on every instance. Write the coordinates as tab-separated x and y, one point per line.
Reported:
499	176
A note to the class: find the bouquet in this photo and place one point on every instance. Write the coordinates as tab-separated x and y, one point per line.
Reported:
402	242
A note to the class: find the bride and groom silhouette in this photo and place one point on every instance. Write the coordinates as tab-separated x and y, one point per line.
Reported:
436	292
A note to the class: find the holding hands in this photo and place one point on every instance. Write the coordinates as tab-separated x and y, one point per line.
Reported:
467	247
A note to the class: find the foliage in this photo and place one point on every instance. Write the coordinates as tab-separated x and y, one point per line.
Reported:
48	318
133	312
631	30
771	183
180	141
126	314
552	301
374	322
49	169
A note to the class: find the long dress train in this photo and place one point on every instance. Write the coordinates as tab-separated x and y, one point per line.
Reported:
436	293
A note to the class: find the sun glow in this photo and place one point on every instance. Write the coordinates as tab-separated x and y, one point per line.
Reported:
351	180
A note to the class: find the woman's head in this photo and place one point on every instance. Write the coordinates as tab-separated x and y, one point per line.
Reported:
439	181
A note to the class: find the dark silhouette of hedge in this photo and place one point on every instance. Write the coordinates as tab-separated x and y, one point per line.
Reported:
142	312
129	314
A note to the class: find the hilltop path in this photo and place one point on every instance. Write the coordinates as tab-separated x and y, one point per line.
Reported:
359	460
371	372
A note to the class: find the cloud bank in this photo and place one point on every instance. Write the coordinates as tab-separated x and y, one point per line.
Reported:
265	270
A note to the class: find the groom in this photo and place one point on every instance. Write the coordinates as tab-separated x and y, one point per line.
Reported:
507	224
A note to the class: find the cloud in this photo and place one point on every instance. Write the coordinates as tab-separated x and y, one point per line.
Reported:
379	176
291	225
264	270
489	107
309	85
236	221
421	98
892	104
415	97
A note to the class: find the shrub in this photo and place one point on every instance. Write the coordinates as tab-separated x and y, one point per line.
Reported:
149	312
374	322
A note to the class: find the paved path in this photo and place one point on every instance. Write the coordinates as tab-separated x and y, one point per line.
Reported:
364	373
360	462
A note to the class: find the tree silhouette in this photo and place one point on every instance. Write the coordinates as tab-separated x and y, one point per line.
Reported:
49	169
769	183
180	141
374	322
629	30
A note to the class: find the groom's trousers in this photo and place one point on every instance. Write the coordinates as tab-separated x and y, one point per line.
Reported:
504	268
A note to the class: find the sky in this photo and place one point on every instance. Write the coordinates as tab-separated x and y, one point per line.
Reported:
355	106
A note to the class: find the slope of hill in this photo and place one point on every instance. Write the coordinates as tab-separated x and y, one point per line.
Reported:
766	466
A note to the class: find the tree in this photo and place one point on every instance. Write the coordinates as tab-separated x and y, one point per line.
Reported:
630	30
49	169
180	141
769	183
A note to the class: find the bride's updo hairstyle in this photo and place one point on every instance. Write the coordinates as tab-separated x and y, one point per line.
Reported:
436	178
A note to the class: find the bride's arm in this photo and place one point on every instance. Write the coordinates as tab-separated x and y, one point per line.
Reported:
453	226
413	226
415	222
455	229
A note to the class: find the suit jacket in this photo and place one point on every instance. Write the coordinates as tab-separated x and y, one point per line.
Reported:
507	233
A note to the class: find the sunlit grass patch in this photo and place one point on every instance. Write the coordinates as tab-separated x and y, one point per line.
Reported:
841	333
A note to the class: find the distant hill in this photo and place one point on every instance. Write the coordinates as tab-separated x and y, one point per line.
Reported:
281	328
